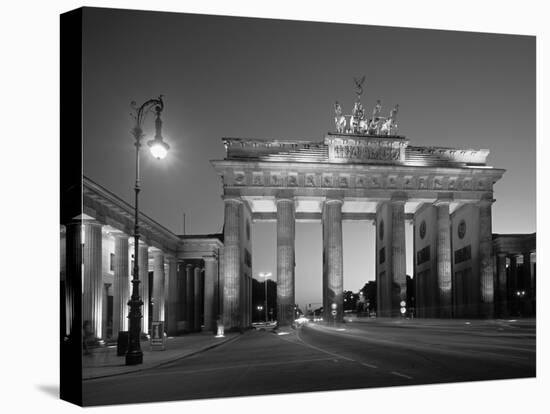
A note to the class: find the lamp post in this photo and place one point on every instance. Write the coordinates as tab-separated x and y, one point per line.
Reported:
265	276
159	149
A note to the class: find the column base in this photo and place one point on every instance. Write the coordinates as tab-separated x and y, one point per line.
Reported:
134	358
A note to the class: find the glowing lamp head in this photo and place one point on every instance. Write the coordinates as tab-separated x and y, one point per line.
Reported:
158	148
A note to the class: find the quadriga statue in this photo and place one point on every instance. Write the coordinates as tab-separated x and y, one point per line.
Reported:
339	119
390	125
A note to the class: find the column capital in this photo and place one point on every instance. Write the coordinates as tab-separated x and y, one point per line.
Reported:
232	199
120	235
443	199
398	198
333	200
170	259
486	202
83	222
280	199
156	253
210	258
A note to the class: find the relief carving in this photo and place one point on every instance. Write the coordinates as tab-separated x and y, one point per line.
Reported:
422	183
239	178
343	181
257	179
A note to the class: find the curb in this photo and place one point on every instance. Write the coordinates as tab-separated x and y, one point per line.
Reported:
162	363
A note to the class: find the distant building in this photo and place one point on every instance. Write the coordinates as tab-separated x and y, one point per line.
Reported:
515	274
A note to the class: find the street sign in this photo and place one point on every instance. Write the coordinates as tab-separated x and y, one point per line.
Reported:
157	337
402	303
333	313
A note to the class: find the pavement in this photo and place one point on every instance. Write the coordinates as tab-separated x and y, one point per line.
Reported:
103	362
317	357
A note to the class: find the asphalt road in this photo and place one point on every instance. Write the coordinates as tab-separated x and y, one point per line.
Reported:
319	358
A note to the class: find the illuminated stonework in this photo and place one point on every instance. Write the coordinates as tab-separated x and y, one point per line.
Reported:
382	179
98	250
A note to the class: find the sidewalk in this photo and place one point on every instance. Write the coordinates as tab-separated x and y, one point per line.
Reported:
104	362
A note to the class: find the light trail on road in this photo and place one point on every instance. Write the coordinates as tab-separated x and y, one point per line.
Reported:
317	358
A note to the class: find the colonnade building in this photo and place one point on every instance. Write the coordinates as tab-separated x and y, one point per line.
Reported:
460	268
180	275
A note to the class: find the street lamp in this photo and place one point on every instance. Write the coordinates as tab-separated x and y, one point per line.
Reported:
265	276
159	149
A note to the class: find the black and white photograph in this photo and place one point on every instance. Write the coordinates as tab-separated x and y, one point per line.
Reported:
265	206
328	224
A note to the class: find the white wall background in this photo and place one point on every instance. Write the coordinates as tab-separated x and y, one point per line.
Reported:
29	177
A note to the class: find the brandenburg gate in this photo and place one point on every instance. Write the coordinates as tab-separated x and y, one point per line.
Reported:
363	171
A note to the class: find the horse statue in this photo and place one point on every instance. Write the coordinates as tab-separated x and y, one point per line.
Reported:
339	119
357	120
376	121
390	126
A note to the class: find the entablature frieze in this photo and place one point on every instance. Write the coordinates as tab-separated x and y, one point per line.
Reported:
327	176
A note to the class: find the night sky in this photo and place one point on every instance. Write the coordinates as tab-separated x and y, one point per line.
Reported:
257	78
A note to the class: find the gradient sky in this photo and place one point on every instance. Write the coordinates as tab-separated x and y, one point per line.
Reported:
240	77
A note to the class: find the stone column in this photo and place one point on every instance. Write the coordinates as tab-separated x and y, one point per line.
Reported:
527	284
285	261
197	301
333	266
232	265
144	286
444	275
486	259
73	280
92	289
181	297
250	304
245	309
513	274
158	286
104	311
171	294
189	298
121	285
502	286
210	279
399	263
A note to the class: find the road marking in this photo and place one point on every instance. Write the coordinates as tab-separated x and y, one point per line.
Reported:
401	375
322	350
368	365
